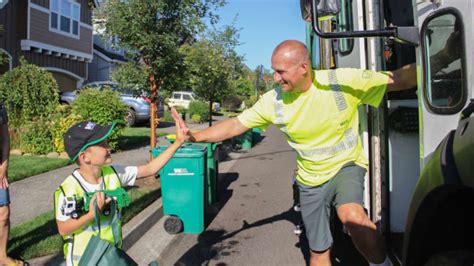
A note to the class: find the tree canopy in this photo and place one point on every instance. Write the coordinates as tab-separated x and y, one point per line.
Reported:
213	65
153	31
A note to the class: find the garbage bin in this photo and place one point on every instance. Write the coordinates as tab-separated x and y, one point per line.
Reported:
183	188
212	174
245	140
212	170
256	135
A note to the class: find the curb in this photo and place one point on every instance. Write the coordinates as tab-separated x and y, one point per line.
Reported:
132	231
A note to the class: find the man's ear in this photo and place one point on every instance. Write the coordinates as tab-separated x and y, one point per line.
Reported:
305	67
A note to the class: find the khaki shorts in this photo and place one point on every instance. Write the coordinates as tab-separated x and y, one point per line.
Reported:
317	203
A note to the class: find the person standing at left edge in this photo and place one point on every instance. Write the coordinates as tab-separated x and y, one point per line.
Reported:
4	193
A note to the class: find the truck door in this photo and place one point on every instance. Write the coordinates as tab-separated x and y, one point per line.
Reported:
443	83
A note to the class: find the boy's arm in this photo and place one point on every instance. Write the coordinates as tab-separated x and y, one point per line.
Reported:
71	225
157	163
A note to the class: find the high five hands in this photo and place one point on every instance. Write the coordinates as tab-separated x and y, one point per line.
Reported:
182	131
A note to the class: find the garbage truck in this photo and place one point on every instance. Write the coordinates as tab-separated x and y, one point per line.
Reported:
419	189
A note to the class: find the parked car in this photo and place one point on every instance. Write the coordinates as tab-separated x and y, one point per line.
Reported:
139	107
181	98
184	98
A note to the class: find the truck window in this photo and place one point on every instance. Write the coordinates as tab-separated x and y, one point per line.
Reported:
443	56
186	97
344	24
177	96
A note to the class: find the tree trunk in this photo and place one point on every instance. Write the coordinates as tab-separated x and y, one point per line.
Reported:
210	113
153	115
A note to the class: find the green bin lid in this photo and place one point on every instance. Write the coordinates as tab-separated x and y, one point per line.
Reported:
186	150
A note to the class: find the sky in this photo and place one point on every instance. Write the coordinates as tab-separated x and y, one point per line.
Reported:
263	25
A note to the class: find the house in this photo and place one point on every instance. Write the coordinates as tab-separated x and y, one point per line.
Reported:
105	60
56	35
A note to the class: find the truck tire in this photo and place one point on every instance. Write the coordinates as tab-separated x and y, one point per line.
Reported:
173	225
452	258
131	118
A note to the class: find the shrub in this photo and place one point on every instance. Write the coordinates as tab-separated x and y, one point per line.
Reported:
61	122
29	92
35	137
232	103
199	108
196	118
167	117
31	96
250	101
102	107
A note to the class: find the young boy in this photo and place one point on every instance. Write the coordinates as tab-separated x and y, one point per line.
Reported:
86	144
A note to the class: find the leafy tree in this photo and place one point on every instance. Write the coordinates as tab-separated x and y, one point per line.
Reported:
154	31
132	76
244	87
213	65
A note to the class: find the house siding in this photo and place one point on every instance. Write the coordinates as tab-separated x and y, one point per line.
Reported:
12	19
39	31
99	69
76	67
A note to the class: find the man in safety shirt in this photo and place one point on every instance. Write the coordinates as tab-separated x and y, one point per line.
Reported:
318	113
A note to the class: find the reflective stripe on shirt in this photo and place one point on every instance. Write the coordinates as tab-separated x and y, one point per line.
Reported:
349	141
336	88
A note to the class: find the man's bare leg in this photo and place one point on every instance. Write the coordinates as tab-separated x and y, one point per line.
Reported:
363	232
320	258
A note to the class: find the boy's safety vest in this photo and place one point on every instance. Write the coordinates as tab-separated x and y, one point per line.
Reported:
71	187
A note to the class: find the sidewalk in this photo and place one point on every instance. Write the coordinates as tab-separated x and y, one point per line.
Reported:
33	196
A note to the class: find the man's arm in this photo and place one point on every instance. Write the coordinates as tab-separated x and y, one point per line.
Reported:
403	78
221	131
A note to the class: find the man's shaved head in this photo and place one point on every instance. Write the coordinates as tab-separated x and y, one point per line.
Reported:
293	50
292	66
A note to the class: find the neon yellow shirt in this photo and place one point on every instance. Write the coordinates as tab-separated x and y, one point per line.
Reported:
322	123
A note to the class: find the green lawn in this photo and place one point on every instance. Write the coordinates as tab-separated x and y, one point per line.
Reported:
21	167
39	236
136	136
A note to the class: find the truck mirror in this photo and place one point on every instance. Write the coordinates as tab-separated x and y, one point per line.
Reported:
313	10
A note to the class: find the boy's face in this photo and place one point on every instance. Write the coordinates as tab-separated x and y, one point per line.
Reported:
98	154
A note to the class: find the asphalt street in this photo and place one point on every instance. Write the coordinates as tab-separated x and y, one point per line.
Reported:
253	222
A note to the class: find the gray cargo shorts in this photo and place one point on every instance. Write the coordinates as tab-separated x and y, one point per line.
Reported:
347	186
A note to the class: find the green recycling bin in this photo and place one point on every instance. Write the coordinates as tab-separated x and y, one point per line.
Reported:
212	170
183	188
256	135
245	140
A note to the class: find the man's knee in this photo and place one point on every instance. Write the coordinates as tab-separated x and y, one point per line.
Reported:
352	215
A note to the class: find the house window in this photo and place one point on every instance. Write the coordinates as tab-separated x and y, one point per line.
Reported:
65	16
3	3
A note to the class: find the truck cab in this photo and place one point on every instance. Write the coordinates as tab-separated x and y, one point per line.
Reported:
420	143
